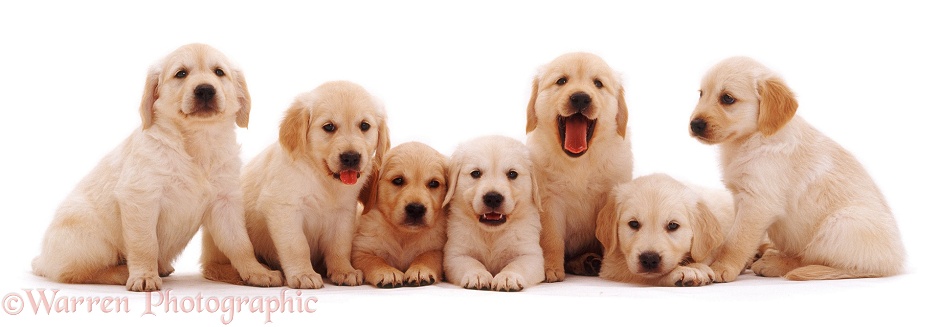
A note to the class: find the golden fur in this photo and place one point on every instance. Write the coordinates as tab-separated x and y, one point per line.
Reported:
134	213
574	184
822	211
652	253
400	241
493	226
300	212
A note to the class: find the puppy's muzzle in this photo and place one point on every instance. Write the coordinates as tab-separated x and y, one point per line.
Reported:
205	104
493	200
350	171
414	214
699	127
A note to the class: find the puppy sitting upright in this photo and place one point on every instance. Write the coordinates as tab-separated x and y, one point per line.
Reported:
821	209
400	241
135	212
493	226
579	144
301	194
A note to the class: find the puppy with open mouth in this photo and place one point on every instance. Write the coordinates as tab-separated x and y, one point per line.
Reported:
493	228
301	194
578	139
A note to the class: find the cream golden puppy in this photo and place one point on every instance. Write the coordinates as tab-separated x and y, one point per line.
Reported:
659	231
493	226
134	213
301	194
400	241
580	148
821	209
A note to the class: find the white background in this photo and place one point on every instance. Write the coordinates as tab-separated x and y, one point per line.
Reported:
865	74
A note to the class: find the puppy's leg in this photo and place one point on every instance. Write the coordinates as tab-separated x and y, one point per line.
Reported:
338	253
425	269
743	239
467	272
774	264
72	254
695	274
286	229
225	227
552	243
524	271
377	272
139	228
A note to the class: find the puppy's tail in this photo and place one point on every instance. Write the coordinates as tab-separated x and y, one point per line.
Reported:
221	272
819	272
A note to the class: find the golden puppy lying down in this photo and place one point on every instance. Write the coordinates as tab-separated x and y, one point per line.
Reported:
658	231
400	241
134	213
819	206
493	226
580	147
301	194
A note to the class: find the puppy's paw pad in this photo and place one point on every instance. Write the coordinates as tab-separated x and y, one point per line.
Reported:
347	278
420	276
508	282
592	264
147	282
481	280
309	279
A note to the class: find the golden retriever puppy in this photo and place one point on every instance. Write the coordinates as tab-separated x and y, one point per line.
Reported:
493	226
658	231
400	241
134	213
822	211
301	194
579	144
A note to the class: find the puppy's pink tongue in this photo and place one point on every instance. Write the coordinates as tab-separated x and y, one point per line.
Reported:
575	134
349	177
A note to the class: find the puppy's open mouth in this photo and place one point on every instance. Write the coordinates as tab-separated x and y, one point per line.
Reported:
492	218
348	176
576	132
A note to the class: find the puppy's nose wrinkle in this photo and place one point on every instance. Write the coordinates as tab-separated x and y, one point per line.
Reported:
204	92
493	199
580	100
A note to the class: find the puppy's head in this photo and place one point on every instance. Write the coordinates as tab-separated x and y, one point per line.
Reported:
411	186
574	98
657	224
195	84
491	181
341	130
740	97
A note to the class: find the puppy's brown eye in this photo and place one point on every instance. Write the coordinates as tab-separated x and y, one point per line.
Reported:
633	224
727	99
398	181
364	126
700	94
219	72
512	174
329	127
672	226
476	174
598	83
433	184
182	74
561	81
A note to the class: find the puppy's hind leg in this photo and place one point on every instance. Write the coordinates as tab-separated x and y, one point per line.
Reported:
71	255
587	264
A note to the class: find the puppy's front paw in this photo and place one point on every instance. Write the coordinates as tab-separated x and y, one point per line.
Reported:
508	281
553	274
773	264
265	278
479	280
305	279
724	273
420	276
146	282
385	277
696	275
165	270
347	278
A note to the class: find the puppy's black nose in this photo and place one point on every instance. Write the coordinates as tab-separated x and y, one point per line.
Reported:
649	260
493	199
698	126
350	159
204	92
580	100
415	210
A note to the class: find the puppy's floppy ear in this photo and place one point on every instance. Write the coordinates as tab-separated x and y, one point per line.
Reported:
453	177
244	100
151	93
622	114
536	192
608	223
532	115
777	105
294	130
706	234
369	193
